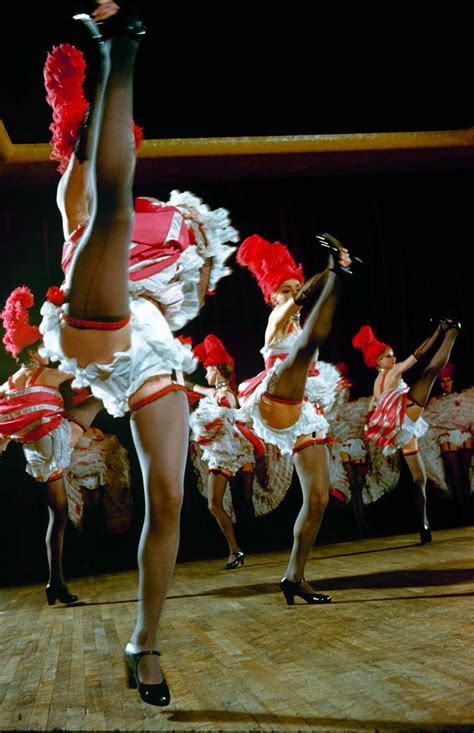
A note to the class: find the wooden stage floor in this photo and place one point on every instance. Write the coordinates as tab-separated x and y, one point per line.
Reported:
392	652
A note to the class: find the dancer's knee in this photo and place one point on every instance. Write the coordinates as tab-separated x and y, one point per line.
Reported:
317	502
164	503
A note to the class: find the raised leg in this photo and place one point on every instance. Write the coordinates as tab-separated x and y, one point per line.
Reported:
420	391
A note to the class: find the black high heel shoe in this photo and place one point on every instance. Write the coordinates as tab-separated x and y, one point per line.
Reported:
336	247
447	323
291	589
59	591
239	560
152	694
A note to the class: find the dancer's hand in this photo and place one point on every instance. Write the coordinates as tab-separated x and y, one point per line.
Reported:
105	9
344	258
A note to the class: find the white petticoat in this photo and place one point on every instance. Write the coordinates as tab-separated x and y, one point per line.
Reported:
354	447
49	454
175	288
455	437
153	352
309	421
212	229
227	448
410	429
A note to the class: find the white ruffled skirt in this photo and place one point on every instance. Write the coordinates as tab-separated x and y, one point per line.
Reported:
153	352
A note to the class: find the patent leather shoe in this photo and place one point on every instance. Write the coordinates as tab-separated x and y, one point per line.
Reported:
158	694
291	589
238	560
59	592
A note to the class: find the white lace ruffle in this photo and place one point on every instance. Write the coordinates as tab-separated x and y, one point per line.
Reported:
308	422
227	447
323	388
212	229
347	420
271	481
49	454
153	352
175	289
100	461
410	429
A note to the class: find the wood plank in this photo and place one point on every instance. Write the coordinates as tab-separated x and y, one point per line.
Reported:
391	652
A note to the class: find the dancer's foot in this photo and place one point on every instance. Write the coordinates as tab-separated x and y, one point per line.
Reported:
235	559
303	590
446	324
144	674
59	592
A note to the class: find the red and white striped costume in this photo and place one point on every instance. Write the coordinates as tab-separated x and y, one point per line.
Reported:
34	416
388	425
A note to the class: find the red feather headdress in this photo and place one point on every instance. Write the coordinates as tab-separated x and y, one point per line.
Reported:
211	352
64	74
270	264
18	330
371	348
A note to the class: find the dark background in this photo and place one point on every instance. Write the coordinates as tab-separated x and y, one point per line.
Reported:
236	73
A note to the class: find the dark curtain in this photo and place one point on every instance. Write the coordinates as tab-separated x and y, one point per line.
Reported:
412	230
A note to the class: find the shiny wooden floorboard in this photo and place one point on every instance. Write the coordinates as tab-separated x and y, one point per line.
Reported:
392	652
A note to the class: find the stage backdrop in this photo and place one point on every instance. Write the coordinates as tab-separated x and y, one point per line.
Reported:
414	233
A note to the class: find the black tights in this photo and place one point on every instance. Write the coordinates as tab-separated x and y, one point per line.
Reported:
457	466
357	474
420	391
56	499
418	474
98	277
291	380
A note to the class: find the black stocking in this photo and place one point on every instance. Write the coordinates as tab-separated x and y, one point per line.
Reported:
418	474
291	381
98	278
455	465
242	496
356	473
420	390
57	509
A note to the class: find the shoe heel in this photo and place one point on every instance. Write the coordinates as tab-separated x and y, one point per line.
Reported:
51	596
130	678
289	598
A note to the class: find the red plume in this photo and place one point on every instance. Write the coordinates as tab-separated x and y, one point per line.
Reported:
211	352
371	348
270	264
64	74
18	330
